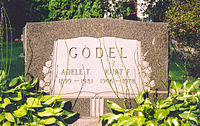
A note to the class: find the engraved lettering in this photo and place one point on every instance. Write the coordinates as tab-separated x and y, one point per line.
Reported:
121	56
70	52
99	52
84	54
111	52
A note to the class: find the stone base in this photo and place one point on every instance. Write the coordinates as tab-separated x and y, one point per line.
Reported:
87	121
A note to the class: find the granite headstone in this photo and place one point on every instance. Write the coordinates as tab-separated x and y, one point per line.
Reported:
86	59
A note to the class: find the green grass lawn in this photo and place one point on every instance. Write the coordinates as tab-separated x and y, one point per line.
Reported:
176	70
17	63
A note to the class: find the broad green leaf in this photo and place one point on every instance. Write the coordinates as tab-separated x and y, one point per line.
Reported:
4	83
0	99
175	107
35	80
31	84
48	121
122	121
161	114
151	123
17	121
193	107
9	117
70	115
59	123
184	86
29	108
140	121
176	85
61	103
171	121
65	112
190	115
141	97
20	112
132	121
197	82
184	97
57	110
140	114
160	103
36	121
51	100
13	82
6	102
36	124
21	86
22	78
30	93
115	117
3	75
110	117
114	106
147	101
185	114
59	114
2	117
33	102
48	111
162	124
175	121
16	97
195	119
27	85
128	121
10	91
106	116
131	111
193	100
184	108
45	98
25	124
7	123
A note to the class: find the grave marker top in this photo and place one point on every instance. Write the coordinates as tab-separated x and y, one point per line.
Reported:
45	41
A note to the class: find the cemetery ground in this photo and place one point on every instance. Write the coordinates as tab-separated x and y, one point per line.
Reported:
17	61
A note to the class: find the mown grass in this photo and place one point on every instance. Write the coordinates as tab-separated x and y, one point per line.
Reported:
17	63
177	70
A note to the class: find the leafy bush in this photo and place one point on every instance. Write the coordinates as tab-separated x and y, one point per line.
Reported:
21	104
184	27
73	9
54	10
36	10
178	109
156	9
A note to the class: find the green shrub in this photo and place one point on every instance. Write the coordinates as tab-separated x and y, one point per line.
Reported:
73	9
184	27
21	104
178	109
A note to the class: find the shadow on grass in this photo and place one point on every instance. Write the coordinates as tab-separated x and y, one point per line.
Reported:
17	64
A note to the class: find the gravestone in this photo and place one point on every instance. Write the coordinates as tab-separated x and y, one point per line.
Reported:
91	60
